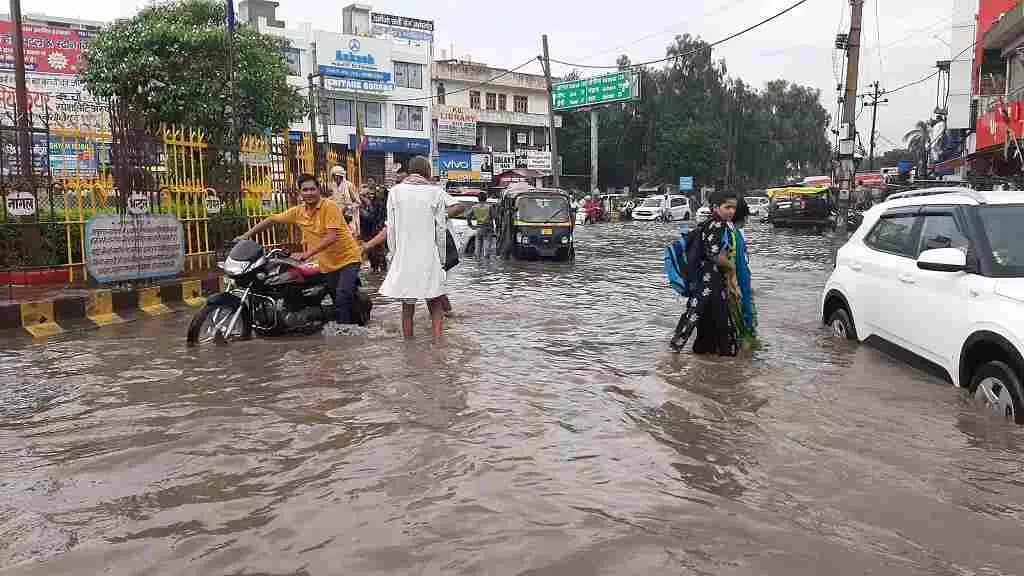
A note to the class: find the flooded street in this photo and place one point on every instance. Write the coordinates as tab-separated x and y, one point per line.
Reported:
552	434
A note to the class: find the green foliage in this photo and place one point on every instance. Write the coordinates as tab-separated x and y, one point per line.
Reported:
170	61
694	120
919	143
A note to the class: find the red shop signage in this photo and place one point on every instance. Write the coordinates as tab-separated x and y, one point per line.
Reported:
47	49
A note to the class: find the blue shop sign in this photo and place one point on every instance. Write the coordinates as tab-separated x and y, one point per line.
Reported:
454	161
354	73
393	144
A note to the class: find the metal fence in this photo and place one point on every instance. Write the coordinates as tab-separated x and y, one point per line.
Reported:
79	174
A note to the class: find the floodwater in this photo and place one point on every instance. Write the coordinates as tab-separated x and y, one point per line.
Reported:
552	434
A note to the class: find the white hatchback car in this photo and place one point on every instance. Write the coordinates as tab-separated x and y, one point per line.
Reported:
654	208
939	273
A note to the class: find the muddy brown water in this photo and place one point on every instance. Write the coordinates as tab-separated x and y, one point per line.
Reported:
553	433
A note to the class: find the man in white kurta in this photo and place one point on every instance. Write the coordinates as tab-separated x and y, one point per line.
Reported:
417	219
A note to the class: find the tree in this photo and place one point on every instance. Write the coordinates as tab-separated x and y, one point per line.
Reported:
695	121
169	63
919	142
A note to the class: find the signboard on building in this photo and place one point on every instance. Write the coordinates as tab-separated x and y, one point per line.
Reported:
606	89
686	183
539	160
465	166
402	28
503	161
456	125
122	248
62	97
393	144
48	49
354	63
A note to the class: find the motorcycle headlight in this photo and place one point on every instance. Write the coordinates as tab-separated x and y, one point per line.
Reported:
234	267
565	239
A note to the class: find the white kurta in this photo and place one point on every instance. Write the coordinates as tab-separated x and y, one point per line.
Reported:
417	220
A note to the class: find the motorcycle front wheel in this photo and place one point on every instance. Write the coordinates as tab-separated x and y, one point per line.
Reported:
213	319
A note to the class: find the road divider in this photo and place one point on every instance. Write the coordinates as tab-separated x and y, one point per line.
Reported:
102	307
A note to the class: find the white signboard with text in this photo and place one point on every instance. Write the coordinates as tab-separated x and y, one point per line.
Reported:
120	248
20	204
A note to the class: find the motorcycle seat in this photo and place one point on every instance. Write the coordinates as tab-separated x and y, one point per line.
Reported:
308	270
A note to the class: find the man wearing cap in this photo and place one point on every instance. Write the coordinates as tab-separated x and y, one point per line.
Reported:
344	195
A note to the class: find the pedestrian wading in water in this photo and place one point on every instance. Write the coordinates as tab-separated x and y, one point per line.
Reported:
716	307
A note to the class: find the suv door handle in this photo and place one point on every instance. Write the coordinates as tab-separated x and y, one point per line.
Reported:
856	266
908	279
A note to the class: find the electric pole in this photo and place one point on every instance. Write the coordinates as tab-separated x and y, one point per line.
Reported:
848	127
21	119
876	100
556	167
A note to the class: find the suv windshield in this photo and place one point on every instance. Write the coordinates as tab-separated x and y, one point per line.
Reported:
1002	226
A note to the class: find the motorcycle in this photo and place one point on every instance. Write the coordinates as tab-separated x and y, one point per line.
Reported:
270	294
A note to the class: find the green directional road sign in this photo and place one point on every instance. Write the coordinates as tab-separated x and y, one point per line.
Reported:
616	87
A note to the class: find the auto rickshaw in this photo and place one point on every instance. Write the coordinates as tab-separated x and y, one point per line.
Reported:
801	207
535	223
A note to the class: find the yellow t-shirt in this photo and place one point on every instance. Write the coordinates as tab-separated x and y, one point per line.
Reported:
315	224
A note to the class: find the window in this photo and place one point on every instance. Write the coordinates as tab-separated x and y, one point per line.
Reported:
440	93
519	104
474	100
1002	227
895	235
371	114
502	102
678	202
408	75
492	101
293	60
341	113
408	117
941	231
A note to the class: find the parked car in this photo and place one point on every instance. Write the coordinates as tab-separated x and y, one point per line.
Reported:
758	205
939	273
655	208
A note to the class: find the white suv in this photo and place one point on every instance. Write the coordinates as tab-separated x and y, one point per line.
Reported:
940	273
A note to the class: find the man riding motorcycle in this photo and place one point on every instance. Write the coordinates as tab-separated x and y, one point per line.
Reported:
325	238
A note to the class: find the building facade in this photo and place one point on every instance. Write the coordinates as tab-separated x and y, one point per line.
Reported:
490	125
374	74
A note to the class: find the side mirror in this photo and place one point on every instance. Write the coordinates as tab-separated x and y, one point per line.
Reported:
943	260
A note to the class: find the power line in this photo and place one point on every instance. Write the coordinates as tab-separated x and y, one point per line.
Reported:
715	12
692	52
928	77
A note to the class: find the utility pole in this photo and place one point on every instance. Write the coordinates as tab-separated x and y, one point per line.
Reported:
593	149
556	167
848	127
876	100
21	94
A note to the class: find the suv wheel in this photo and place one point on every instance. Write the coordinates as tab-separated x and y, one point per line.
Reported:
996	387
842	325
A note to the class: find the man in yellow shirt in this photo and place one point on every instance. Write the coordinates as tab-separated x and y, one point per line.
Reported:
325	238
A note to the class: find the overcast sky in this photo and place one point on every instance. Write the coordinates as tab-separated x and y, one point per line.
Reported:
913	34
